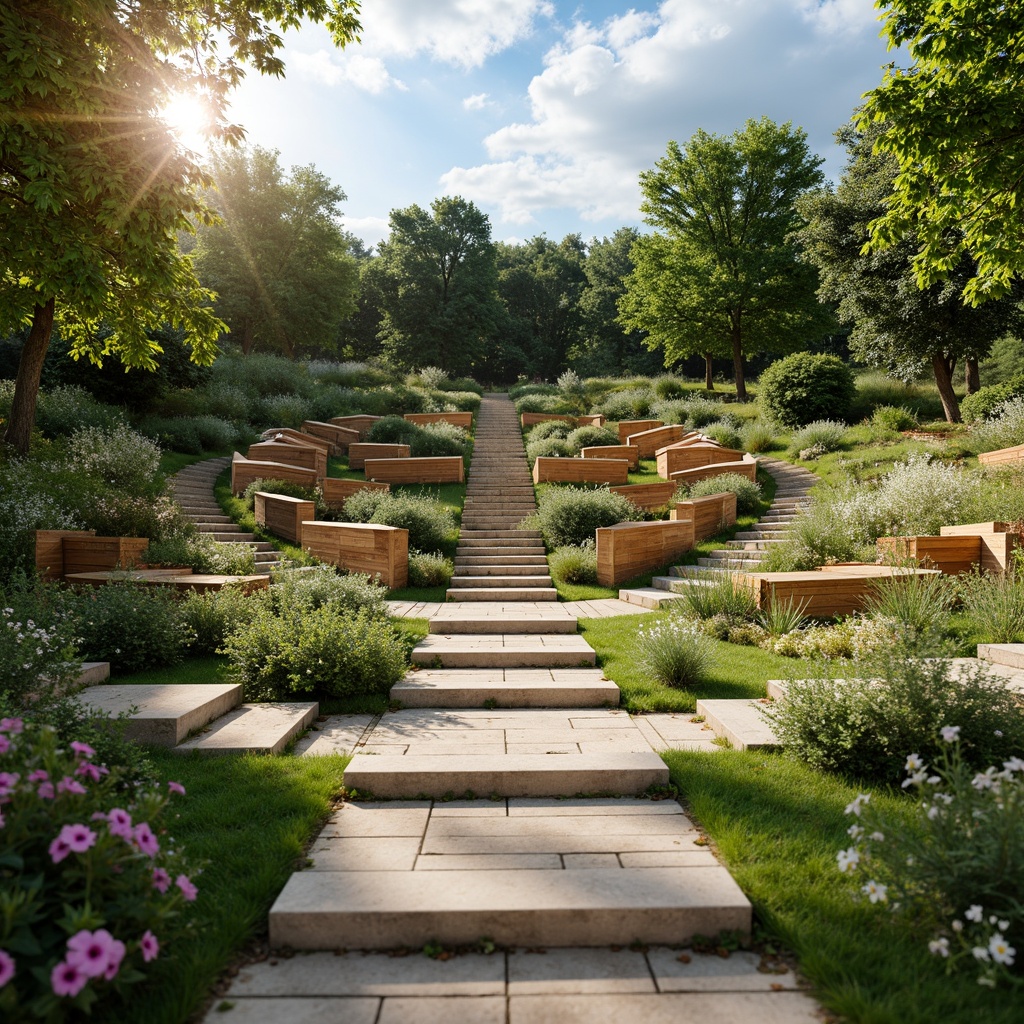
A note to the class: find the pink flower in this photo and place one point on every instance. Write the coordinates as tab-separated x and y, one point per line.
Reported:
117	951
145	840
8	780
70	785
119	822
5	744
72	839
11	725
176	787
45	791
90	952
94	771
82	749
149	946
161	880
7	966
67	979
39	775
188	890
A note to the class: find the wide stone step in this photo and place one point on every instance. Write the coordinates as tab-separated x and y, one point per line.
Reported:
231	536
474	622
760	534
651	598
212	519
525	546
254	728
165	713
476	571
505	688
740	722
504	650
480	560
472	534
749	560
760	544
1011	655
471	582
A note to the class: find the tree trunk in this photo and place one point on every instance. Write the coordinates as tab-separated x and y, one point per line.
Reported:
943	368
972	375
26	388
709	380
737	359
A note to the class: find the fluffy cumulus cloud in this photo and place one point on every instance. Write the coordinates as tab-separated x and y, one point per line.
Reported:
611	95
370	229
476	102
364	72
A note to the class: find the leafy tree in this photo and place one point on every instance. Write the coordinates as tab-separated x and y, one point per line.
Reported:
278	259
435	281
896	324
94	186
954	123
722	273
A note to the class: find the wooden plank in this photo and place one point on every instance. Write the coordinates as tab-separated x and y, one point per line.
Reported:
709	514
675	459
630	549
975	529
578	471
649	441
286	435
361	423
629	427
438	469
745	468
50	551
282	514
456	419
950	555
303	456
613	451
1003	456
339	437
86	553
244	471
378	551
649	497
337	492
359	453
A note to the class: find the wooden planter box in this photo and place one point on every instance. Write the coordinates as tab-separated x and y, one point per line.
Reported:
614	451
338	437
676	458
50	551
649	441
998	542
283	515
629	549
437	469
746	467
629	427
649	497
361	423
285	435
708	515
580	471
337	492
378	551
456	419
359	453
1003	456
950	555
244	471
531	419
84	553
303	456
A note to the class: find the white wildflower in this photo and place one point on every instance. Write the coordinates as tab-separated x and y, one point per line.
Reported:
939	947
974	913
950	733
914	762
875	891
1001	951
858	802
848	859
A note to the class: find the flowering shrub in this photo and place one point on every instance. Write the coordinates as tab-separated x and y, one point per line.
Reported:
119	456
92	888
32	651
959	863
676	651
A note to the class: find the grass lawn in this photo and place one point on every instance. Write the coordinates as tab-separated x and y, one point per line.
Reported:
778	825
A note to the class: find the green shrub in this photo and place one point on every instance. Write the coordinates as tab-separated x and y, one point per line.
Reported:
920	608
349	374
544	403
118	456
725	433
590	436
548	447
993	606
323	586
66	409
283	410
570	515
272	486
757	436
985	403
430	570
574	563
627	404
668	387
259	375
429	521
720	597
467	400
212	616
191	434
518	391
805	387
818	438
675	651
439	439
432	377
116	514
1005	429
748	492
573	390
361	506
550	428
893	419
392	430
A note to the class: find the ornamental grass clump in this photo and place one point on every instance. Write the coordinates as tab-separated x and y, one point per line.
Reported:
574	563
91	888
675	651
993	605
920	607
720	598
570	515
431	569
818	438
956	865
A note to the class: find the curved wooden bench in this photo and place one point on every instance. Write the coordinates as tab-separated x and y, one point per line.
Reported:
674	458
303	455
746	467
439	469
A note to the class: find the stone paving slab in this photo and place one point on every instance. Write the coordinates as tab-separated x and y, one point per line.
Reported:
93	672
740	722
1010	655
676	732
338	734
503	649
253	728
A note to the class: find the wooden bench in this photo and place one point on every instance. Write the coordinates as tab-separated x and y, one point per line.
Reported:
50	551
629	427
301	455
1003	456
456	419
337	492
629	549
708	515
180	579
244	471
649	497
360	423
378	551
285	435
550	469
359	453
531	419
60	552
676	458
649	441
613	451
338	437
998	542
746	467
282	514
436	469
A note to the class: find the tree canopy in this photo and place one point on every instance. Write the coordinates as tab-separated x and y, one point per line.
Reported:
954	122
94	186
721	273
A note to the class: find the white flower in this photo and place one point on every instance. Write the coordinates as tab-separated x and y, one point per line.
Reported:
859	801
1002	952
950	733
980	953
998	732
933	812
875	891
939	947
914	762
957	926
983	780
877	837
1015	764
973	912
916	779
1003	925
848	859
855	831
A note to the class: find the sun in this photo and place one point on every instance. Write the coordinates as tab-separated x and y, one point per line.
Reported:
188	116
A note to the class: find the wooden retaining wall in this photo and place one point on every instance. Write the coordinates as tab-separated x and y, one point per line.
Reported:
285	435
378	551
283	515
50	551
85	553
244	471
676	458
708	515
338	437
747	468
360	423
437	469
630	549
531	419
649	441
359	453
337	491
998	542
647	496
614	451
303	456
456	419
549	469
629	427
1003	456
950	555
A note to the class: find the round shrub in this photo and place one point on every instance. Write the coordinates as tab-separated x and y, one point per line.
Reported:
429	521
549	446
757	436
361	506
271	486
429	570
544	403
805	387
439	439
323	586
985	402
668	387
392	430
212	616
675	651
893	419
550	428
120	457
574	563
627	404
818	438
570	515
590	436
68	408
725	433
283	410
748	493
1004	430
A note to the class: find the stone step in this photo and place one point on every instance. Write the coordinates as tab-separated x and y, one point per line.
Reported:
525	580
740	722
701	571
505	688
165	713
93	672
231	536
749	561
254	729
212	520
759	544
1011	655
760	534
481	560
500	570
473	534
527	545
504	650
473	623
648	597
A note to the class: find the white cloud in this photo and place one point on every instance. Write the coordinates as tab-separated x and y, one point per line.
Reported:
476	102
611	96
364	72
370	229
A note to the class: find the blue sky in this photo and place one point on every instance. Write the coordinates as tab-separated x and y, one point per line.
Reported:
544	112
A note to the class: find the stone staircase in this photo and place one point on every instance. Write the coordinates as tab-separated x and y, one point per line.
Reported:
192	489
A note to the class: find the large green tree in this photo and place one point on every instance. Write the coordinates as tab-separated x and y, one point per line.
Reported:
94	186
721	272
278	259
895	323
954	121
435	282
